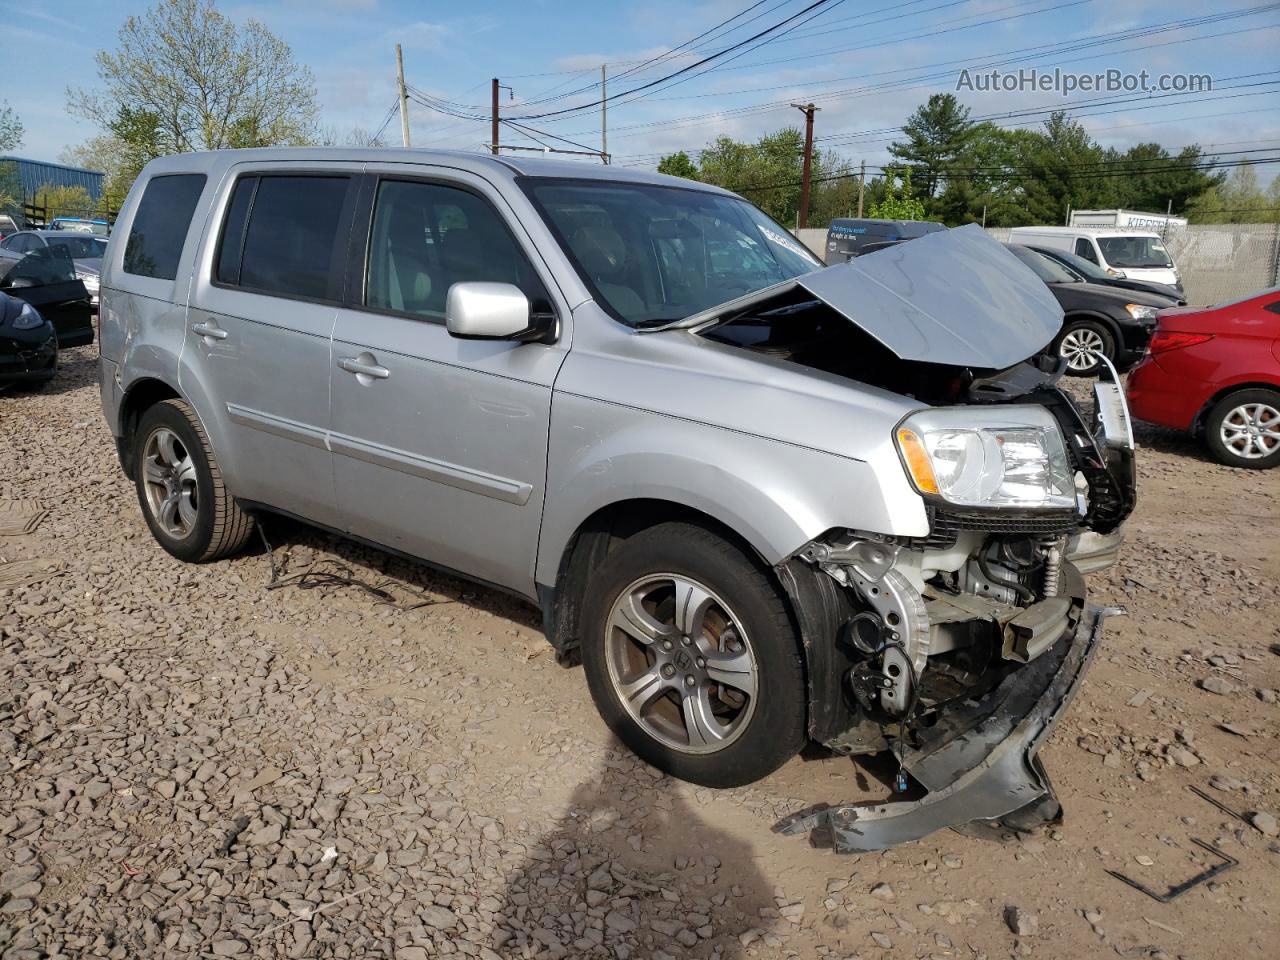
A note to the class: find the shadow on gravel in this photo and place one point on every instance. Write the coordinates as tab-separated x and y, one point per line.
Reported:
299	547
1166	440
585	890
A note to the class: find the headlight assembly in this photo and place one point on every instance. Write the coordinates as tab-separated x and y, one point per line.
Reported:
1139	312
1009	456
27	318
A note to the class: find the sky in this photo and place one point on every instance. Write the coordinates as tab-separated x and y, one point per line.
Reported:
867	65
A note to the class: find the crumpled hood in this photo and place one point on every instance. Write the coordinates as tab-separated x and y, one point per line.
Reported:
953	297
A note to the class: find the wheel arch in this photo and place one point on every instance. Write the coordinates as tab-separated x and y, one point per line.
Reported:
139	397
1112	325
1197	424
600	534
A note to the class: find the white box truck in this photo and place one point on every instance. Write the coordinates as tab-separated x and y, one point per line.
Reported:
1132	219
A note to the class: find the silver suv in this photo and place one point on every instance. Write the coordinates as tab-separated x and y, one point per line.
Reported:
762	501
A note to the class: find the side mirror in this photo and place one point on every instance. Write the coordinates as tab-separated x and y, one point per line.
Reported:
476	310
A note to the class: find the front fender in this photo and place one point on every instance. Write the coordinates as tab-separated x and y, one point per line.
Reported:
776	495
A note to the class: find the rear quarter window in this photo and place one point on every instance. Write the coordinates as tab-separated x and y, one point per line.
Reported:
160	224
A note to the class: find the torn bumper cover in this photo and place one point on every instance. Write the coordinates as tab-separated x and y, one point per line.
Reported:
979	763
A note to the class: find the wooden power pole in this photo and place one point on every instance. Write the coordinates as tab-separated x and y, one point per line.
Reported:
862	176
808	109
404	97
604	116
493	125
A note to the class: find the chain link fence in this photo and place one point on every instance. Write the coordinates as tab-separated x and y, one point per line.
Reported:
1217	262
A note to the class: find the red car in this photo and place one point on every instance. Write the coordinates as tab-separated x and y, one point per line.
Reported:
1215	373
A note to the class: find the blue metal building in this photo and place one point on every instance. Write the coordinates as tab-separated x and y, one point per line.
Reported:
34	174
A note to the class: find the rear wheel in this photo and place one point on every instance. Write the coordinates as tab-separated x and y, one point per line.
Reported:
187	506
1243	429
692	659
1080	343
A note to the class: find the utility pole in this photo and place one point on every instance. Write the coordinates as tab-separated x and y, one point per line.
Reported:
604	116
862	176
493	126
404	97
808	109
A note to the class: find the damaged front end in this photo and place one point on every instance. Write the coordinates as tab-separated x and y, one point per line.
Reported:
958	650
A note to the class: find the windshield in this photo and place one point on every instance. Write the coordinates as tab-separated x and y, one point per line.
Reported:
655	254
1046	269
80	247
1135	252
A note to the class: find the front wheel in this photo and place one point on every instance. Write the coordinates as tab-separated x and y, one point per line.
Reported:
1243	429
692	659
1080	343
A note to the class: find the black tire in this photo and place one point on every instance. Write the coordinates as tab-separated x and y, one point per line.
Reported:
1217	415
220	528
1075	328
774	730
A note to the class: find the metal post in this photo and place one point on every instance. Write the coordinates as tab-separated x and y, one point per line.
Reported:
862	174
808	110
404	98
1275	257
493	126
604	115
984	216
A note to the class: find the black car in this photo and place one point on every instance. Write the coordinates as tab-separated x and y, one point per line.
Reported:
46	279
28	345
1092	273
1098	319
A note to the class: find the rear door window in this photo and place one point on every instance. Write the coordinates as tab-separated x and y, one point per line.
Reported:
160	225
283	236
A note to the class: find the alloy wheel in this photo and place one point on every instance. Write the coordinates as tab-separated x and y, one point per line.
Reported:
169	480
1251	431
1081	348
680	663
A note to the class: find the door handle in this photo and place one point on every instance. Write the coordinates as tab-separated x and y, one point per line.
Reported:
210	330
364	366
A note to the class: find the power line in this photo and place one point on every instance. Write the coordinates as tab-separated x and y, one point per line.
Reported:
683	70
1009	56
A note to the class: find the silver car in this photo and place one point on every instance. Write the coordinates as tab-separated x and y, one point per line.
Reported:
762	501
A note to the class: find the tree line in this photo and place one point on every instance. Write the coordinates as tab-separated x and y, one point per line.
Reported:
949	168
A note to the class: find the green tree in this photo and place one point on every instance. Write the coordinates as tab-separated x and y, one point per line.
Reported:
767	172
184	77
678	165
898	204
1237	199
11	129
1149	177
936	136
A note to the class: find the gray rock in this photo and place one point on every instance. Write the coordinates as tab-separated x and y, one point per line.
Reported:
441	918
1022	922
1265	823
1218	685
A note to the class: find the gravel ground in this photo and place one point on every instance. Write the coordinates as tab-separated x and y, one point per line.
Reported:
196	766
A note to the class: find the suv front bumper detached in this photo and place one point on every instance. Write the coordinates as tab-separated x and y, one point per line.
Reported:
979	763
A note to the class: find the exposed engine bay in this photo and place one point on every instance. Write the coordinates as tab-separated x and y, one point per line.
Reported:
959	648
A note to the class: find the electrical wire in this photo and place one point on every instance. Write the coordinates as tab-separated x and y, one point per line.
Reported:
683	70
